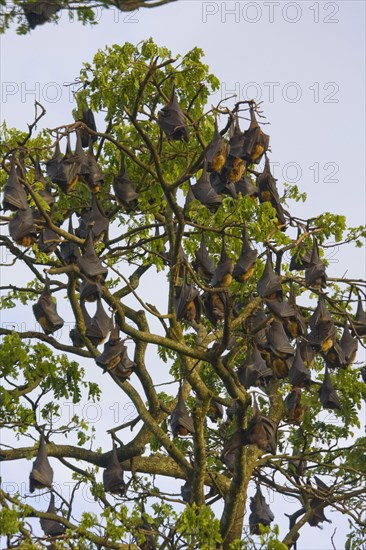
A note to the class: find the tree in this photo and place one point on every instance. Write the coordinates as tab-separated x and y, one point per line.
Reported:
233	265
29	14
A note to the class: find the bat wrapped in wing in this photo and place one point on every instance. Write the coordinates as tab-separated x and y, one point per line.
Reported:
295	410
254	370
89	263
38	13
171	120
95	219
99	326
50	527
113	475
15	196
204	192
45	311
203	264
70	252
268	192
327	394
299	375
245	187
223	272
216	411
48	240
22	228
187	303
90	171
349	345
124	189
180	421
91	290
216	152
245	265
41	475
269	284
315	274
89	121
260	512
323	331
215	306
255	142
359	322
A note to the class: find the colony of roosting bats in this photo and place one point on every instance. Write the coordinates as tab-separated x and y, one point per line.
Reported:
281	343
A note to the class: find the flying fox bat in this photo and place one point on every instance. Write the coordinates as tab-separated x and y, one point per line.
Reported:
22	228
323	331
260	512
277	341
360	320
315	274
363	373
334	356
91	172
307	352
69	250
48	241
301	259
291	318
89	263
90	290
295	410
205	194
89	120
269	284
187	492
349	346
76	338
327	394
244	267
113	349
299	375
15	196
64	170
41	475
254	370
252	327
216	152
99	326
221	185
203	264
236	139
45	311
93	217
124	189
255	142
113	475
216	411
114	358
171	120
51	527
223	272
245	187
215	305
319	503
38	13
233	170
268	192
187	303
180	421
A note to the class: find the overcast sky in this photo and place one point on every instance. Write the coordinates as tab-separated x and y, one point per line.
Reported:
304	60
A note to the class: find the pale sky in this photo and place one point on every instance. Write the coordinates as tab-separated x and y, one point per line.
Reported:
304	60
